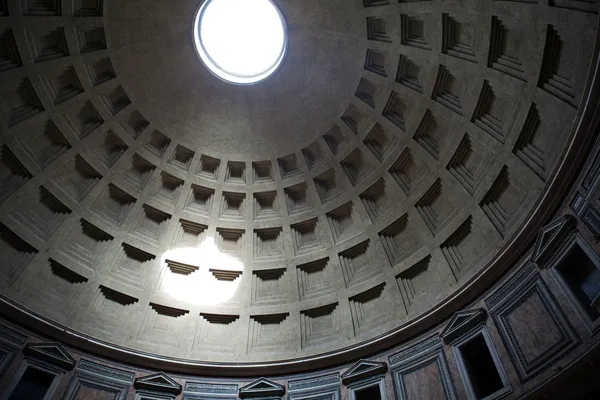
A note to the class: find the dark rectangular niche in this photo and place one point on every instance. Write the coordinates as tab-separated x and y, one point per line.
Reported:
479	365
583	278
368	393
33	385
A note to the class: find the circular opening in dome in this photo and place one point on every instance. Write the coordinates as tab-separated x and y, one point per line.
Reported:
240	41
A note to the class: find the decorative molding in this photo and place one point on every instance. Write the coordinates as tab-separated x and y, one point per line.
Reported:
462	323
50	353
527	285
261	387
421	355
159	382
363	369
106	371
551	237
210	388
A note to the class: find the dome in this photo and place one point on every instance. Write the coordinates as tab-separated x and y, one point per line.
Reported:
387	164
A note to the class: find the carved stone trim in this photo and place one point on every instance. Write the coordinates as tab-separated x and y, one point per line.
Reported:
551	237
159	382
81	379
261	387
501	307
363	369
462	323
420	355
50	353
210	388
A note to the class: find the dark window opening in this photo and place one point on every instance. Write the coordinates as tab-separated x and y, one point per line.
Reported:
583	278
33	385
370	393
480	366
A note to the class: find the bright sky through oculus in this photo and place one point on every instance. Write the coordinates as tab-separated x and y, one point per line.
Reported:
240	41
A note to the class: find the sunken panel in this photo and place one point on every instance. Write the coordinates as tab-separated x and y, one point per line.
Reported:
45	145
378	29
502	201
266	205
447	89
506	50
135	124
313	154
408	171
168	189
493	113
157	143
306	237
369	309
380	142
214	333
556	75
356	264
297	198
189	234
268	287
131	266
288	166
90	39
334	138
200	200
21	102
458	38
88	8
63	86
47	45
150	225
375	199
396	110
434	207
209	167
233	206
408	74
115	100
413	32
375	61
399	240
113	205
139	172
41	216
9	53
268	333
181	158
354	118
268	244
236	172
461	248
83	120
355	167
230	241
100	71
367	91
12	173
343	222
431	135
470	163
86	245
315	279
41	8
107	148
15	255
319	326
327	185
78	178
262	171
417	281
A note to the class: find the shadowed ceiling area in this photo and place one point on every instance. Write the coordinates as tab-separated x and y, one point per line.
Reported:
381	169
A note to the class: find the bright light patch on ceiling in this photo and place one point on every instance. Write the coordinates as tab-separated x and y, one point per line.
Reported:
240	41
201	286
